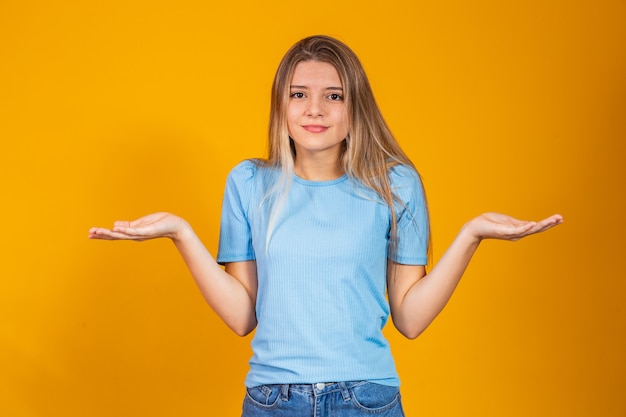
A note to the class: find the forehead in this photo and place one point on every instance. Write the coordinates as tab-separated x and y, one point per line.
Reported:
316	74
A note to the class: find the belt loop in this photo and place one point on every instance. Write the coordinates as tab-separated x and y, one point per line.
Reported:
284	392
344	391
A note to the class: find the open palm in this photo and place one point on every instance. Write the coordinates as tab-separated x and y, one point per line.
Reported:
501	226
148	227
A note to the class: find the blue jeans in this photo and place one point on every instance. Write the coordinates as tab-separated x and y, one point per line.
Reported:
333	399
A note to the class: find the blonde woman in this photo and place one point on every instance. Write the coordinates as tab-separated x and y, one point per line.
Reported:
321	243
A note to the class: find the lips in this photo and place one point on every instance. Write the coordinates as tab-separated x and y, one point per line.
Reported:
315	128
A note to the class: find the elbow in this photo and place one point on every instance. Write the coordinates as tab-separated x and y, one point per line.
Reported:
412	335
244	329
411	332
242	332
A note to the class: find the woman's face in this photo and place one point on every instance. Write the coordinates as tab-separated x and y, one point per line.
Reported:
317	118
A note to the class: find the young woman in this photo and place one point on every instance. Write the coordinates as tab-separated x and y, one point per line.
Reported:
323	241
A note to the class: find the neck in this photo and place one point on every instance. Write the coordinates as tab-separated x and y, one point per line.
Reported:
318	169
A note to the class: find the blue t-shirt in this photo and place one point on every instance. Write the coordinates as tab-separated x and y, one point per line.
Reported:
321	301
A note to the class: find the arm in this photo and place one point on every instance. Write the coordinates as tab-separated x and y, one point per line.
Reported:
231	293
416	298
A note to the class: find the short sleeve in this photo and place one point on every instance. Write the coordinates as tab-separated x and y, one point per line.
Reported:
411	217
235	242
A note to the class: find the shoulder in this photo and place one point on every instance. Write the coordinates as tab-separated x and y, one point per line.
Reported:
404	176
249	175
243	171
406	185
247	172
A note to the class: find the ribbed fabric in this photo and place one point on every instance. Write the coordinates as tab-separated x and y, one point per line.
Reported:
321	301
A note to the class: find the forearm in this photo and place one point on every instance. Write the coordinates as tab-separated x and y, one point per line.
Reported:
228	297
425	299
416	299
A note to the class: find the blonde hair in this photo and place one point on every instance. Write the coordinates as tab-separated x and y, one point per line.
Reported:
370	148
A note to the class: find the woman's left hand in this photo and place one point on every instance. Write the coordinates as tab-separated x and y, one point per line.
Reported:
501	226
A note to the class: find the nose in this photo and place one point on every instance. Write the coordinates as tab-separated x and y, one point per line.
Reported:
315	107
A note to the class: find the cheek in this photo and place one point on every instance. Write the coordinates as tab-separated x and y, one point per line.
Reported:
294	112
291	119
345	123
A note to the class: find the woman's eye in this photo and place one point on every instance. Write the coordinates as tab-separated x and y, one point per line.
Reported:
335	97
297	95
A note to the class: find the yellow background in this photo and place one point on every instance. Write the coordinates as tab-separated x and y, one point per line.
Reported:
111	110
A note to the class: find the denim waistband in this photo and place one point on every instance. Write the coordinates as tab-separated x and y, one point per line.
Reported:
320	388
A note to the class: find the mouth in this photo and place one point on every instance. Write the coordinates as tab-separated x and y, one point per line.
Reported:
315	128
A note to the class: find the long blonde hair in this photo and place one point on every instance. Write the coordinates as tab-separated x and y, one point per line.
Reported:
370	148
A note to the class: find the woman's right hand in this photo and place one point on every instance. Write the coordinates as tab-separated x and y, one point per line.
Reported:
148	227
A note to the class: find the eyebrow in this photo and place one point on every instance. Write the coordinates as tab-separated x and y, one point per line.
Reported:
304	87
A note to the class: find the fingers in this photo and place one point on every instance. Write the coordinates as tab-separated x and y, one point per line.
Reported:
101	233
520	231
549	222
554	220
545	224
141	232
108	234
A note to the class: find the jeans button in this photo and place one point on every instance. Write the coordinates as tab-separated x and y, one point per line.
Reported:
320	386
